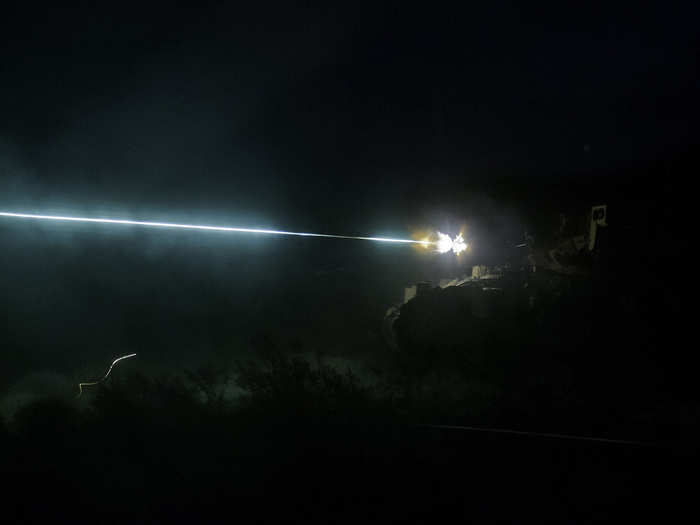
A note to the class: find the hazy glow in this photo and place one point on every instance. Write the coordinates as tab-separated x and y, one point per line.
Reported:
81	385
201	227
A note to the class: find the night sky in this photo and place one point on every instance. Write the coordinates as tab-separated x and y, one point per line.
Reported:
376	120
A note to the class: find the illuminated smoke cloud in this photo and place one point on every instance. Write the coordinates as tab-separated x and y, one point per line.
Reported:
31	388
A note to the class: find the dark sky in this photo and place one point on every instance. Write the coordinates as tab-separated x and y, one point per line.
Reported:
133	104
352	120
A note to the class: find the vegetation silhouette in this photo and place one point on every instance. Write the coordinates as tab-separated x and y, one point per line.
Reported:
303	440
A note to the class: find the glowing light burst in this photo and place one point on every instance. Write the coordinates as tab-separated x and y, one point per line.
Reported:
81	385
445	243
458	244
207	228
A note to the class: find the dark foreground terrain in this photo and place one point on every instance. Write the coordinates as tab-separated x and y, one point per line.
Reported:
309	445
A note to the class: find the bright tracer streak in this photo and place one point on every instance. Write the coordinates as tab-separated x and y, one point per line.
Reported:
92	383
200	227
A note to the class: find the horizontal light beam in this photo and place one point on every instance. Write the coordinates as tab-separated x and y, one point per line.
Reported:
202	227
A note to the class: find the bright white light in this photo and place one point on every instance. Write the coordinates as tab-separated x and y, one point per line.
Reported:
458	245
201	227
445	243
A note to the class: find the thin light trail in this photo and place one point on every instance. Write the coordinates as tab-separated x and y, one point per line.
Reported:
543	435
203	227
81	385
